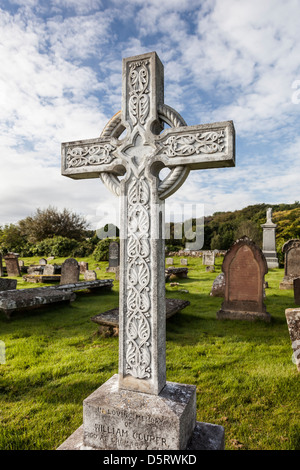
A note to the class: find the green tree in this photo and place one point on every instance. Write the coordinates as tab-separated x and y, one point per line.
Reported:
48	223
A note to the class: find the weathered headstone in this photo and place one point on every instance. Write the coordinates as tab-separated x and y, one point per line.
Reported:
208	258
269	241
145	411
113	257
218	287
42	261
69	271
90	275
244	267
293	321
291	250
12	265
49	270
83	265
169	261
184	262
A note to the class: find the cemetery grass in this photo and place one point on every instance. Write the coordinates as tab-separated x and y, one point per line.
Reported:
244	374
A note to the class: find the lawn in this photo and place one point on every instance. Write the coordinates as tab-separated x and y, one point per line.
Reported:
243	371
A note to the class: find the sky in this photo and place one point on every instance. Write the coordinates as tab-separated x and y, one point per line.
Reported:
60	80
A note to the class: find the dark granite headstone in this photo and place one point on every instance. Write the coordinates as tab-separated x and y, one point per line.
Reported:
113	257
69	271
244	267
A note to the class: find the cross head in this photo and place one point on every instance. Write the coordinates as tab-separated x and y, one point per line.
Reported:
129	166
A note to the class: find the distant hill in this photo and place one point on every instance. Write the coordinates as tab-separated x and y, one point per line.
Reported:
222	228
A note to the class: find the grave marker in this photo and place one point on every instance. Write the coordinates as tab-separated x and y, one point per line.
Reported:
12	265
269	241
291	250
208	258
244	267
69	271
113	257
138	402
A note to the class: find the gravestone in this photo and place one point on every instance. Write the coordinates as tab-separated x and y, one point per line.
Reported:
12	265
296	284
291	250
1	266
218	287
113	257
42	261
244	267
184	262
269	241
208	258
49	270
144	410
83	266
69	271
293	321
169	261
90	275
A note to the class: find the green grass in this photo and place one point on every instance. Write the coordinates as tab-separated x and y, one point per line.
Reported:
243	371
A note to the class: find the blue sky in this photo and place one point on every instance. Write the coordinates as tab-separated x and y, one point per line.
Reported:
60	80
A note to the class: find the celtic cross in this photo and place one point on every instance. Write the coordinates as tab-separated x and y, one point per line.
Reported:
129	166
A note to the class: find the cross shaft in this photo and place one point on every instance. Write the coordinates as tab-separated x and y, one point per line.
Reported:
139	157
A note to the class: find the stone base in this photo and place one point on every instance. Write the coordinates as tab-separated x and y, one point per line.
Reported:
241	315
115	419
272	263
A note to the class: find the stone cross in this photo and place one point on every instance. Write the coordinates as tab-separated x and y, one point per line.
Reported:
138	158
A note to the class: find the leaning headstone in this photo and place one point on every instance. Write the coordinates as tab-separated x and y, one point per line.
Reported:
12	265
113	257
293	321
90	275
42	261
208	258
169	261
269	241
137	408
291	250
8	284
69	271
218	287
244	267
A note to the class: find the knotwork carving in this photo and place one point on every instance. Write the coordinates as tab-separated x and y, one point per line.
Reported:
177	175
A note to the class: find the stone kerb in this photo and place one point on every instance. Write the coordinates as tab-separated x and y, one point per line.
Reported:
244	268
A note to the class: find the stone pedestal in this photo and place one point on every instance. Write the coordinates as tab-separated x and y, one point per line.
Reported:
116	419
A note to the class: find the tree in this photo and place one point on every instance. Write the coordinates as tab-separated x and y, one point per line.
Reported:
11	239
48	223
248	228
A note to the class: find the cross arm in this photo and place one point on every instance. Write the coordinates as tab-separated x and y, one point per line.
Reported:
198	147
89	158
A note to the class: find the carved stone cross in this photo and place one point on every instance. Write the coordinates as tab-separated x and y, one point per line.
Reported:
139	157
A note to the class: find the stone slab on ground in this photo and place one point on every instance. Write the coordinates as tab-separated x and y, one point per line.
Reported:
97	285
109	321
115	419
173	273
27	299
